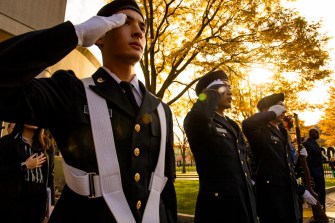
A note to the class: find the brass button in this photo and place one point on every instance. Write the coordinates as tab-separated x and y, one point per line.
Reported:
239	151
137	128
138	204
267	182
100	80
242	162
136	151
137	177
245	174
216	194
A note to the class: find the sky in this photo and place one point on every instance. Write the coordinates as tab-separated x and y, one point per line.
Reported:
314	10
80	10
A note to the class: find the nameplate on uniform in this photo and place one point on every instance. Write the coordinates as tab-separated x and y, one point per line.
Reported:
275	138
221	130
86	111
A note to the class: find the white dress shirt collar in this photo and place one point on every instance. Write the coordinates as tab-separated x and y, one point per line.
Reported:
137	90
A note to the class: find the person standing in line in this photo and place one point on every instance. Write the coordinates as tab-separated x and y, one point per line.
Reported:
314	161
304	195
332	165
23	175
225	192
50	149
276	185
60	104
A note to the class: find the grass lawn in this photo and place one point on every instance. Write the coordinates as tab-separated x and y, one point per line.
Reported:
330	182
187	192
179	169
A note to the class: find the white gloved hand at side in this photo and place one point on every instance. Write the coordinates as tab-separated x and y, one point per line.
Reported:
309	198
278	109
303	152
90	31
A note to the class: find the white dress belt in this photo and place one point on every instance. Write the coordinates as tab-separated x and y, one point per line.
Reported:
81	182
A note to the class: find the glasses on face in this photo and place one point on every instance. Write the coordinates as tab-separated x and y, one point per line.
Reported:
227	85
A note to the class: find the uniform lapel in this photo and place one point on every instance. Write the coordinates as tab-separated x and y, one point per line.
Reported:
277	132
149	102
223	121
234	127
108	88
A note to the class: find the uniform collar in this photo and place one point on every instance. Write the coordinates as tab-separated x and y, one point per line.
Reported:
133	81
107	87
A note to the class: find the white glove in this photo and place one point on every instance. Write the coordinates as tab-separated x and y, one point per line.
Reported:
309	198
221	89
303	152
90	31
278	109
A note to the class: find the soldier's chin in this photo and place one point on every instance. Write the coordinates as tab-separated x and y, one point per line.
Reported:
225	106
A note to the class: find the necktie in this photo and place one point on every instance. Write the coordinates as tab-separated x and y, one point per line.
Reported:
127	87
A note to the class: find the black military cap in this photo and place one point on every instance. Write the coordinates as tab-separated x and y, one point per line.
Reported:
209	78
270	100
117	5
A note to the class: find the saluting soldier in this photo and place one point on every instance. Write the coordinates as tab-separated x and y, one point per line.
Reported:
225	193
108	179
276	185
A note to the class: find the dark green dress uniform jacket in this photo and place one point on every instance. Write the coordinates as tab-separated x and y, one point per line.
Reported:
225	193
58	103
276	185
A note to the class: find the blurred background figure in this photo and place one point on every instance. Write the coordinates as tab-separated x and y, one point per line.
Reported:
332	165
24	173
314	161
50	149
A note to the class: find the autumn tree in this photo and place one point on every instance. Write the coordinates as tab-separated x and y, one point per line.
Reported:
327	124
187	38
181	141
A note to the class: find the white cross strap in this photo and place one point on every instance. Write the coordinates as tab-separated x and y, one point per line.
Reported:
108	182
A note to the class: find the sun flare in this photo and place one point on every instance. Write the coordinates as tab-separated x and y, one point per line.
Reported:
259	75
